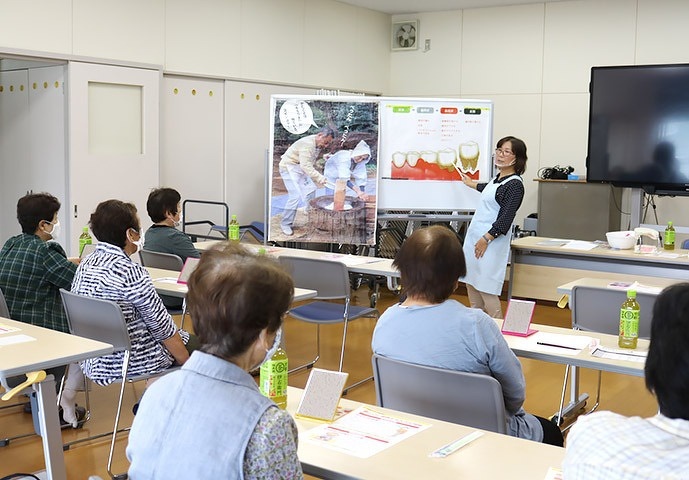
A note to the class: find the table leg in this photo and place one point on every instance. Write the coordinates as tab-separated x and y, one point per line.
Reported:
576	401
49	426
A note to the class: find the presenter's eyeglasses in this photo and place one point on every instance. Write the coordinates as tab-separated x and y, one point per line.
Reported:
504	153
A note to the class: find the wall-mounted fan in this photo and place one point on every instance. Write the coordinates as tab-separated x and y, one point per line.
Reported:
405	35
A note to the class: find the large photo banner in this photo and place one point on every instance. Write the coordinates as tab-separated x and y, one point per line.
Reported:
323	166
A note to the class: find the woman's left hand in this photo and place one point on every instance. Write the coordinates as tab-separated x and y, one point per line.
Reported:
480	247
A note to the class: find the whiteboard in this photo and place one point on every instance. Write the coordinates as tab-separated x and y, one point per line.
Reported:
419	156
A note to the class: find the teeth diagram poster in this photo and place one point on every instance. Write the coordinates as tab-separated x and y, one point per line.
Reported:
425	144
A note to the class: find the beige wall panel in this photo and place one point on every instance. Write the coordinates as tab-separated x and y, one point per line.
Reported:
205	39
502	50
42	25
273	46
582	34
662	33
436	72
330	43
128	30
670	208
520	116
564	134
372	52
191	141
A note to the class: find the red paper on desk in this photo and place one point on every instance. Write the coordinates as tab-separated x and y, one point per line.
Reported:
518	318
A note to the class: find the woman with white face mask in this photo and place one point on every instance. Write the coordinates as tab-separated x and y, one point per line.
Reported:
209	420
164	209
487	241
33	269
110	274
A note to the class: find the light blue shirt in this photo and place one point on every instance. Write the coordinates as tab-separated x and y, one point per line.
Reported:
452	336
209	421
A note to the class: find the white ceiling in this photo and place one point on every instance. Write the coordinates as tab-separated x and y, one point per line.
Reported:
393	7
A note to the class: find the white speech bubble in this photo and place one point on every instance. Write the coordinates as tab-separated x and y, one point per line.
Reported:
296	116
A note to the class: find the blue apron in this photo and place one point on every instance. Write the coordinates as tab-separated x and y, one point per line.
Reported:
487	274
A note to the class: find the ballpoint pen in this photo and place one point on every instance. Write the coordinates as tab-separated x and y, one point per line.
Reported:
555	345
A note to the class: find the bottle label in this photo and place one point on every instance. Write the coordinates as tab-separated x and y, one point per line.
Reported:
233	232
83	241
629	323
274	378
669	237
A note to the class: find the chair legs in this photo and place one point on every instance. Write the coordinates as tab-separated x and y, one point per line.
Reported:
125	366
318	353
342	354
184	313
7	440
116	430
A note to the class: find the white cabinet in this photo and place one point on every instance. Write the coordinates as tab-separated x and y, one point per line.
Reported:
32	140
82	132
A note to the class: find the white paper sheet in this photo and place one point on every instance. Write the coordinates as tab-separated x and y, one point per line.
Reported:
13	339
638	287
363	432
580	245
7	328
561	344
620	354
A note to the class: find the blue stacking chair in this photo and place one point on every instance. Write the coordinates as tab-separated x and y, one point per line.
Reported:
331	280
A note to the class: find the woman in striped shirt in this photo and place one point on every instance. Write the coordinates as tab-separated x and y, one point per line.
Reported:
110	274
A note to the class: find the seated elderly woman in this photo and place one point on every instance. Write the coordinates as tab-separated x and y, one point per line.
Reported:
110	274
429	328
208	419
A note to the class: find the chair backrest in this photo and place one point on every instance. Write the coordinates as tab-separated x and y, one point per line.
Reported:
466	398
166	261
329	278
597	309
96	319
4	311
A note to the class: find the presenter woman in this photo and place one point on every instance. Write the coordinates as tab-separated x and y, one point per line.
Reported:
487	243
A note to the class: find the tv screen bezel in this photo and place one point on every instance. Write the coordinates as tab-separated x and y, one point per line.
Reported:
652	188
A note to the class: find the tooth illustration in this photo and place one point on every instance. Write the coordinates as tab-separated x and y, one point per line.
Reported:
429	156
446	157
398	159
412	158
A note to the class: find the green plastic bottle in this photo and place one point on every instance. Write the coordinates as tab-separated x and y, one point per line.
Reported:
233	229
669	239
273	379
629	321
84	239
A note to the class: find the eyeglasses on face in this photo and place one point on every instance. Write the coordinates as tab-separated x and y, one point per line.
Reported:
505	153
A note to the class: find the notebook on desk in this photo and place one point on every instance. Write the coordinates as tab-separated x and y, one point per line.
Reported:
518	318
189	266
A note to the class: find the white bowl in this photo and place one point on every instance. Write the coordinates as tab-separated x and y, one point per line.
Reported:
621	240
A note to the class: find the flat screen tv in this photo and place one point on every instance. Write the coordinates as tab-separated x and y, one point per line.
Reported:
639	128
